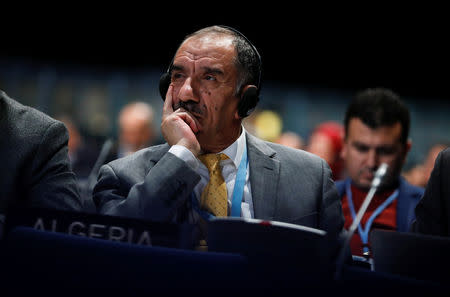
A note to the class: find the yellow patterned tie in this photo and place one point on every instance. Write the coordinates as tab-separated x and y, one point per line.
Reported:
214	195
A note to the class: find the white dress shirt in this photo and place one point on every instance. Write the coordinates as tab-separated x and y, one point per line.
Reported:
229	171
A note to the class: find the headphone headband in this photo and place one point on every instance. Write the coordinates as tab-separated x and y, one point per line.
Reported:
258	56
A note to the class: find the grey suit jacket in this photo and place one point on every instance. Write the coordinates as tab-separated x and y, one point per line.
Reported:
35	169
288	185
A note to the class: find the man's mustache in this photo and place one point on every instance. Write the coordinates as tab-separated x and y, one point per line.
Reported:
189	106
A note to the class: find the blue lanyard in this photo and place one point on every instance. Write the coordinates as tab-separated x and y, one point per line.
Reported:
238	191
239	184
364	233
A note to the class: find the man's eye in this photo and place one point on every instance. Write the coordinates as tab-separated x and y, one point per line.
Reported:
386	151
210	77
176	76
361	148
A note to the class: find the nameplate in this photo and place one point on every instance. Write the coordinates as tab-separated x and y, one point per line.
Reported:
133	231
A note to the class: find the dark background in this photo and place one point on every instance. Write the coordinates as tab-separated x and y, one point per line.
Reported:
89	60
343	49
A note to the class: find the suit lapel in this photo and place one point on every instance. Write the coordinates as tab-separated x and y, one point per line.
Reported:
264	174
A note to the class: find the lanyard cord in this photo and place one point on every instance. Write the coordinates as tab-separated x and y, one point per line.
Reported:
364	233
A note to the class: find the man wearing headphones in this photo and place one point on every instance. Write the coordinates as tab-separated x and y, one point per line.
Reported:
212	83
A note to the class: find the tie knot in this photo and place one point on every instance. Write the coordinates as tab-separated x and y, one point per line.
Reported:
212	160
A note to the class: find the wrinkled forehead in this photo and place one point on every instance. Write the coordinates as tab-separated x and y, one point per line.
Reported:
211	45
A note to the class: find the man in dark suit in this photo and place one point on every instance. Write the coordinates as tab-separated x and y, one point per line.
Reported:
433	210
35	169
213	83
376	131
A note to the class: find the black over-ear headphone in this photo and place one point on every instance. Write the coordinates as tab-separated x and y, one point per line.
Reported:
249	98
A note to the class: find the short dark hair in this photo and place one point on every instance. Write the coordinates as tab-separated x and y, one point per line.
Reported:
379	107
248	63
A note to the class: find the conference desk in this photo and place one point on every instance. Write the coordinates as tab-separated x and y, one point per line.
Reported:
43	262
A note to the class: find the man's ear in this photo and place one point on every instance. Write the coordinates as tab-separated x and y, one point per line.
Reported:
408	146
237	116
343	153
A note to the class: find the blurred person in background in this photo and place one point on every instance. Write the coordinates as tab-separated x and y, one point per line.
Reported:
326	141
376	125
83	156
136	132
136	129
267	125
35	169
419	175
291	139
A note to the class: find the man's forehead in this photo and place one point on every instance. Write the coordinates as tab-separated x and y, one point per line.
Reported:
363	133
206	45
359	124
219	39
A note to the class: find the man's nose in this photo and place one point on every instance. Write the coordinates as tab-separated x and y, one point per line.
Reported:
187	91
372	159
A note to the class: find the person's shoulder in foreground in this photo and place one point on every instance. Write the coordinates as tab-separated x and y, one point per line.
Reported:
34	155
433	210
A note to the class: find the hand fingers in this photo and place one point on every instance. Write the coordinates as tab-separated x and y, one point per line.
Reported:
190	120
181	112
167	107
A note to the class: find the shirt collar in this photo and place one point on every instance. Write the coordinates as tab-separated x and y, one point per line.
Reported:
235	150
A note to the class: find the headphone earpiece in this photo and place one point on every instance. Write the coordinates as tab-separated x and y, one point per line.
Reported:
248	101
164	83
